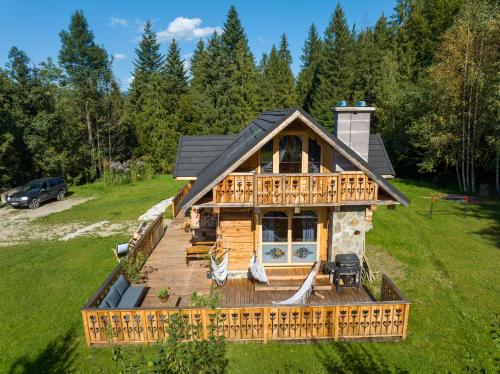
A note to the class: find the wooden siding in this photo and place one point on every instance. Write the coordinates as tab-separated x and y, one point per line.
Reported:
179	198
236	232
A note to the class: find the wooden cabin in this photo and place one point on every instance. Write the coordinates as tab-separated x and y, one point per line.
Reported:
286	188
289	192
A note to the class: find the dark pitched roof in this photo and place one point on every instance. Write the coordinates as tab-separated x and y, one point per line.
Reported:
195	152
378	159
254	133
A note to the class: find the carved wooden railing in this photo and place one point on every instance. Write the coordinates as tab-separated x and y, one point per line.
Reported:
368	320
150	238
295	189
179	198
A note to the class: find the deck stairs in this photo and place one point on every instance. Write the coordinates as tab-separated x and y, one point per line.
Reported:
291	279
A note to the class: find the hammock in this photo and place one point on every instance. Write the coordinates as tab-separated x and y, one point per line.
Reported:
219	272
300	297
257	270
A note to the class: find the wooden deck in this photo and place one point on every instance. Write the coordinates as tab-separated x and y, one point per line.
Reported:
166	267
242	292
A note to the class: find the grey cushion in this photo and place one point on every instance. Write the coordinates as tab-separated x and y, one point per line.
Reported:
121	285
104	304
113	297
132	297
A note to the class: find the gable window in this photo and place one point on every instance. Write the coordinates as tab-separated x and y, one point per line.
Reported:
289	238
314	151
266	158
290	154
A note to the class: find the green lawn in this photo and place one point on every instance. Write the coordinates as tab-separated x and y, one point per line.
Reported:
446	267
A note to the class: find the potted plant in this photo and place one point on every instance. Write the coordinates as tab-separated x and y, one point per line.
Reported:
163	294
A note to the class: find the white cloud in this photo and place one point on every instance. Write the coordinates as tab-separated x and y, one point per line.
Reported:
119	56
261	39
130	79
187	61
117	21
183	28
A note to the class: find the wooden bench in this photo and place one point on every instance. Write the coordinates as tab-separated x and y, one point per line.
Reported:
198	252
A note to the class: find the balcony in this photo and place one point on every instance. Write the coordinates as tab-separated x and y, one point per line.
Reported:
266	190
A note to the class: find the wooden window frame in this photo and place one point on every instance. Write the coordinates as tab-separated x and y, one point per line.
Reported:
289	212
304	137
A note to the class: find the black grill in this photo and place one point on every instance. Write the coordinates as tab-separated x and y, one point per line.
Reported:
347	268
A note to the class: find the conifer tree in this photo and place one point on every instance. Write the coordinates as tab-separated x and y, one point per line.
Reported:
277	84
238	103
175	77
311	58
336	68
88	70
148	56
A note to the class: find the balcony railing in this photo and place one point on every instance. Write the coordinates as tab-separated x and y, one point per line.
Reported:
295	189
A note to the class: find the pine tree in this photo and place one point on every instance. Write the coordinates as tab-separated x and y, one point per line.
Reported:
233	35
88	70
311	59
277	83
148	56
336	69
175	77
238	102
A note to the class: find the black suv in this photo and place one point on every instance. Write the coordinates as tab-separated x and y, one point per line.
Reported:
38	191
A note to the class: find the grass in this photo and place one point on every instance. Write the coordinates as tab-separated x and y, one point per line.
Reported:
447	268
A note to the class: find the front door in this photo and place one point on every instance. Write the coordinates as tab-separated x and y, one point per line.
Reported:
288	238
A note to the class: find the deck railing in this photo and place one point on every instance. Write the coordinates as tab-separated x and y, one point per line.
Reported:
386	319
178	199
295	189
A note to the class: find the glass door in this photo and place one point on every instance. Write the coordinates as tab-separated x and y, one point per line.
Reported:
289	239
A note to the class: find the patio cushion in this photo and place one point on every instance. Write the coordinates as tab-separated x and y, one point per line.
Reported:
113	297
104	304
132	297
121	285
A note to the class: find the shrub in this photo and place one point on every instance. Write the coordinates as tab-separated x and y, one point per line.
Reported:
213	300
131	171
132	267
180	353
163	293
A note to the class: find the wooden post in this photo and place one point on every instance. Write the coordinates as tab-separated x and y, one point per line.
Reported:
405	324
265	323
335	323
86	328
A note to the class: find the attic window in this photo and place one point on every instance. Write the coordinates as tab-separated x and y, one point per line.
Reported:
290	154
266	158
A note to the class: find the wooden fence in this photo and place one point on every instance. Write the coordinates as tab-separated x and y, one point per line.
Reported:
295	189
179	198
385	319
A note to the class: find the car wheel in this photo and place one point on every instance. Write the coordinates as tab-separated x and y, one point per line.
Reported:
60	195
35	203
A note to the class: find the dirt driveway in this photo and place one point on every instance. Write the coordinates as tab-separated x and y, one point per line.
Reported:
17	226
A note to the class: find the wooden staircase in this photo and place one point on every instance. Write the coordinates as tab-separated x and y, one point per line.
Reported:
291	280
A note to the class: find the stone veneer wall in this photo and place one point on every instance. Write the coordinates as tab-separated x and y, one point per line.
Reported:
348	231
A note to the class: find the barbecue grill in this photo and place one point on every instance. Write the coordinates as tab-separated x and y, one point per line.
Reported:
347	268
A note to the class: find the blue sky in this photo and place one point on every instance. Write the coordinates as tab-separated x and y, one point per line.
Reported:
34	26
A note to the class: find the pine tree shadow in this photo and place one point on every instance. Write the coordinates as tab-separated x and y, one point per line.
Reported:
57	357
347	357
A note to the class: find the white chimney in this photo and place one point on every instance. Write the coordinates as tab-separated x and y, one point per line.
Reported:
352	126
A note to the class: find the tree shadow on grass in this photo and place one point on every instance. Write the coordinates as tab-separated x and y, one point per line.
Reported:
347	357
490	210
57	357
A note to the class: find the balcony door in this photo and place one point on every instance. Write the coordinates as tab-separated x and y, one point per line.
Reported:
288	238
290	154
